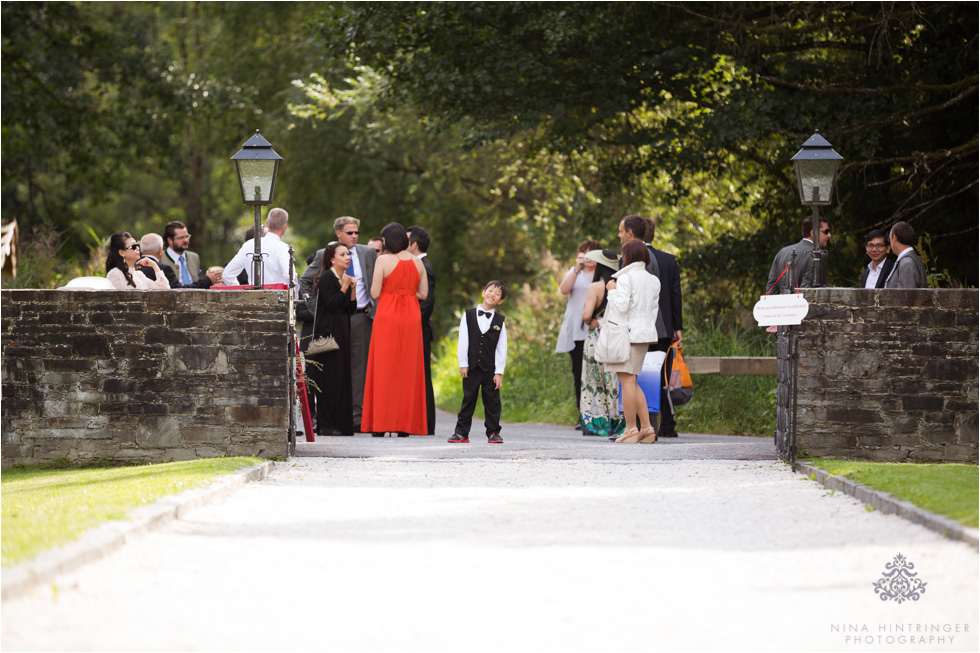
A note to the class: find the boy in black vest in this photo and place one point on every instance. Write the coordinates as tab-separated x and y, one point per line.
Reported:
482	355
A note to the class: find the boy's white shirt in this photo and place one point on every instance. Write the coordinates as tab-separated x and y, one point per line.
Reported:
483	322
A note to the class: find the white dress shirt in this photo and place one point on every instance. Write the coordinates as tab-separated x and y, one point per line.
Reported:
180	263
483	322
275	262
361	285
873	274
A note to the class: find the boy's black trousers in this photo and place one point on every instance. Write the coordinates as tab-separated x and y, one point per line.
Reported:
475	381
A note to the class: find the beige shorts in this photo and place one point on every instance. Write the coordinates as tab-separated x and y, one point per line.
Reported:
635	363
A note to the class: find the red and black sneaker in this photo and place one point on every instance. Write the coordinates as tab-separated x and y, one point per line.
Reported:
494	438
458	438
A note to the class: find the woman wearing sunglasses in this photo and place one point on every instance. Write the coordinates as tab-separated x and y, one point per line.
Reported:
120	265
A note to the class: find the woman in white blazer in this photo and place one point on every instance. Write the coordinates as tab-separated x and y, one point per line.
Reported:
634	299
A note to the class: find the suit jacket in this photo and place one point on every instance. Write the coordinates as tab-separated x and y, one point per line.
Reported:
428	304
670	291
783	258
367	257
203	283
908	272
886	268
193	263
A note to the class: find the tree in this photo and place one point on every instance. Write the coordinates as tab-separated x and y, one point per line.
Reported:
665	88
78	91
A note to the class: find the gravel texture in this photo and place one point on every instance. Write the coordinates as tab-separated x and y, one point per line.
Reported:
415	545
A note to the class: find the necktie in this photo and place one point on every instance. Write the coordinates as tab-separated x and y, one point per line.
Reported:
185	275
350	268
482	313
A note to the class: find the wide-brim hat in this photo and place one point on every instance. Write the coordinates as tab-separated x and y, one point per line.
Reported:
605	257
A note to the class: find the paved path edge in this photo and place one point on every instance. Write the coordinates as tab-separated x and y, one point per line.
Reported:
889	505
99	542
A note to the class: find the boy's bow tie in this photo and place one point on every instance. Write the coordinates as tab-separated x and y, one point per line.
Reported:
482	313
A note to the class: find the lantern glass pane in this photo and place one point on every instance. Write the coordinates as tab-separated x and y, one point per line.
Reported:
816	179
257	175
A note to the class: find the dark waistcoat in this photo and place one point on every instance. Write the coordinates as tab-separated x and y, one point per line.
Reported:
483	346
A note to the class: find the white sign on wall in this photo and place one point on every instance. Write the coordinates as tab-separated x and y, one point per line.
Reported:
780	310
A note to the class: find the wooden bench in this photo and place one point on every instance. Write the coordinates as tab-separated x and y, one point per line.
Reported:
761	365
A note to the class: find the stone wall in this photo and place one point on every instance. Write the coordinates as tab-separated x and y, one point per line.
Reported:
143	376
888	375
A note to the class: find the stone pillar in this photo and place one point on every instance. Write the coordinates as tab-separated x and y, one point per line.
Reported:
889	375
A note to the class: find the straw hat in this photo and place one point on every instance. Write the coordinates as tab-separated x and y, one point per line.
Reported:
605	257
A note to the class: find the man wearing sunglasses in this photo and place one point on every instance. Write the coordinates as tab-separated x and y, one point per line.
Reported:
781	275
362	260
874	275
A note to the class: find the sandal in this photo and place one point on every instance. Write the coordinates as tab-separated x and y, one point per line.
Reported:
649	436
630	437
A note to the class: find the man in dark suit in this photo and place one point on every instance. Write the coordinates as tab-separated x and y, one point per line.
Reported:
670	309
151	246
876	272
781	273
418	245
362	260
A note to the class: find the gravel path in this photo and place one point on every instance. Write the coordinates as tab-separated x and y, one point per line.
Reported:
416	545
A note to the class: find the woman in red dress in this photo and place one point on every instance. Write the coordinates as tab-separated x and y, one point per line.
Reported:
394	390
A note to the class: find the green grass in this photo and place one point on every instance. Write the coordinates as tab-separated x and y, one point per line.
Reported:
950	489
43	508
537	385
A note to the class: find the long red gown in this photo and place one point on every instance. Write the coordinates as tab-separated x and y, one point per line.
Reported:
394	389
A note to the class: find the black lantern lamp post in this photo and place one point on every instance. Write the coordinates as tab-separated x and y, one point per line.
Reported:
816	171
258	167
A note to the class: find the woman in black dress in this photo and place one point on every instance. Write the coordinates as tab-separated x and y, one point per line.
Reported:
331	371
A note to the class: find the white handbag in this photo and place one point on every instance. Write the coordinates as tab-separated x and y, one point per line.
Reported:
613	345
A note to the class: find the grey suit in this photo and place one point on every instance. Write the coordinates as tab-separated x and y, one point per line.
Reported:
193	263
360	322
908	272
783	259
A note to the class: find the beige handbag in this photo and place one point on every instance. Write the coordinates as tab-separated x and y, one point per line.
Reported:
613	345
322	345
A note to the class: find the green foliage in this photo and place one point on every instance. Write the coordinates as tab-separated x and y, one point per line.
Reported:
946	489
505	129
934	277
46	507
892	86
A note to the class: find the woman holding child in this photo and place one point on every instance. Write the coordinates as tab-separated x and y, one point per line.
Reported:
633	300
331	371
599	403
394	390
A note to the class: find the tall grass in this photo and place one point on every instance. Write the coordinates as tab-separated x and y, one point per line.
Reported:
538	382
737	405
42	262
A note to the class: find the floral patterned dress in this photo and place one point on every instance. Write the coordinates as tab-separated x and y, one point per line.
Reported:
599	402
